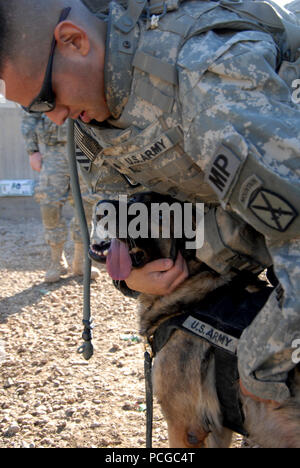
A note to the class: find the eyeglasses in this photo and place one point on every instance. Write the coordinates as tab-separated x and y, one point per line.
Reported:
45	100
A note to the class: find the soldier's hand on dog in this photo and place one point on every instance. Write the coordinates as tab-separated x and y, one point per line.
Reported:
35	160
160	277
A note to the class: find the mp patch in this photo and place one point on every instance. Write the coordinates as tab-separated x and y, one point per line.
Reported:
272	210
222	171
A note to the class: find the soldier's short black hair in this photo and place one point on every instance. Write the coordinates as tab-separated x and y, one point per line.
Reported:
22	27
26	27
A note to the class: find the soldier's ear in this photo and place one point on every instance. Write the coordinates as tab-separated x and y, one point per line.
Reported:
71	38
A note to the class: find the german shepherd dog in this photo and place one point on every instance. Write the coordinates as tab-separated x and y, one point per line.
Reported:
184	370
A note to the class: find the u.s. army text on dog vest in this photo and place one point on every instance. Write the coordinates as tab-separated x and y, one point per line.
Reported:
211	334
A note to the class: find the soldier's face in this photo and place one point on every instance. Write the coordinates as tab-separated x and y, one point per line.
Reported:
77	82
77	95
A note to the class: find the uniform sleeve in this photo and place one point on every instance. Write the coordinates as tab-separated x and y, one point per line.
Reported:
29	131
243	130
226	91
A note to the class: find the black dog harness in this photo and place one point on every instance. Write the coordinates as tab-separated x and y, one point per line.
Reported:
219	319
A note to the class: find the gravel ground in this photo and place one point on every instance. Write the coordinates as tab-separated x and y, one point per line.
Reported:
49	396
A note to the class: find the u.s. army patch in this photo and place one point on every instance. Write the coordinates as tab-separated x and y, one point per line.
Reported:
272	209
157	147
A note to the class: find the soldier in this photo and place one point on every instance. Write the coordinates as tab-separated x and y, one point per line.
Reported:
53	191
190	103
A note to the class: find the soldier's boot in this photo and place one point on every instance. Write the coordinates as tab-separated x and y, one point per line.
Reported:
78	262
58	266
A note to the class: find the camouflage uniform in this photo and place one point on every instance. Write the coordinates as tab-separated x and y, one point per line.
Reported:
53	191
53	188
203	115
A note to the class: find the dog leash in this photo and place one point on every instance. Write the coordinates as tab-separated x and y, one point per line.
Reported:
86	349
148	357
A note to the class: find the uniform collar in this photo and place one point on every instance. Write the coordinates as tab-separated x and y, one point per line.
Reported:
120	50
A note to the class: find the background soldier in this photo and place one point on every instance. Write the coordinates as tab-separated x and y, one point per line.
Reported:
46	146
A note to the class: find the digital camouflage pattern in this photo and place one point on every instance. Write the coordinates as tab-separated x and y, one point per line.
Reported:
265	353
204	116
53	188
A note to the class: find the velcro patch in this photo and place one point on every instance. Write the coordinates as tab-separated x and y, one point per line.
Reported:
222	171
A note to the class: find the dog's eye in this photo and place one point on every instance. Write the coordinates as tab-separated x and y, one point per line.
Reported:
137	259
139	255
101	216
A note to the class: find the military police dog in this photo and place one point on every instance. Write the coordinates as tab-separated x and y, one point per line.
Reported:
184	371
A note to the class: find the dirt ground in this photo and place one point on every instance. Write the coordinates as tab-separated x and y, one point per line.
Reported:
49	395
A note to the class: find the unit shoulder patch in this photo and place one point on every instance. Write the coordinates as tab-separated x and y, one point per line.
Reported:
272	210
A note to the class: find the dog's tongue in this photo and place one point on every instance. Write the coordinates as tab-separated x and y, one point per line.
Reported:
118	261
